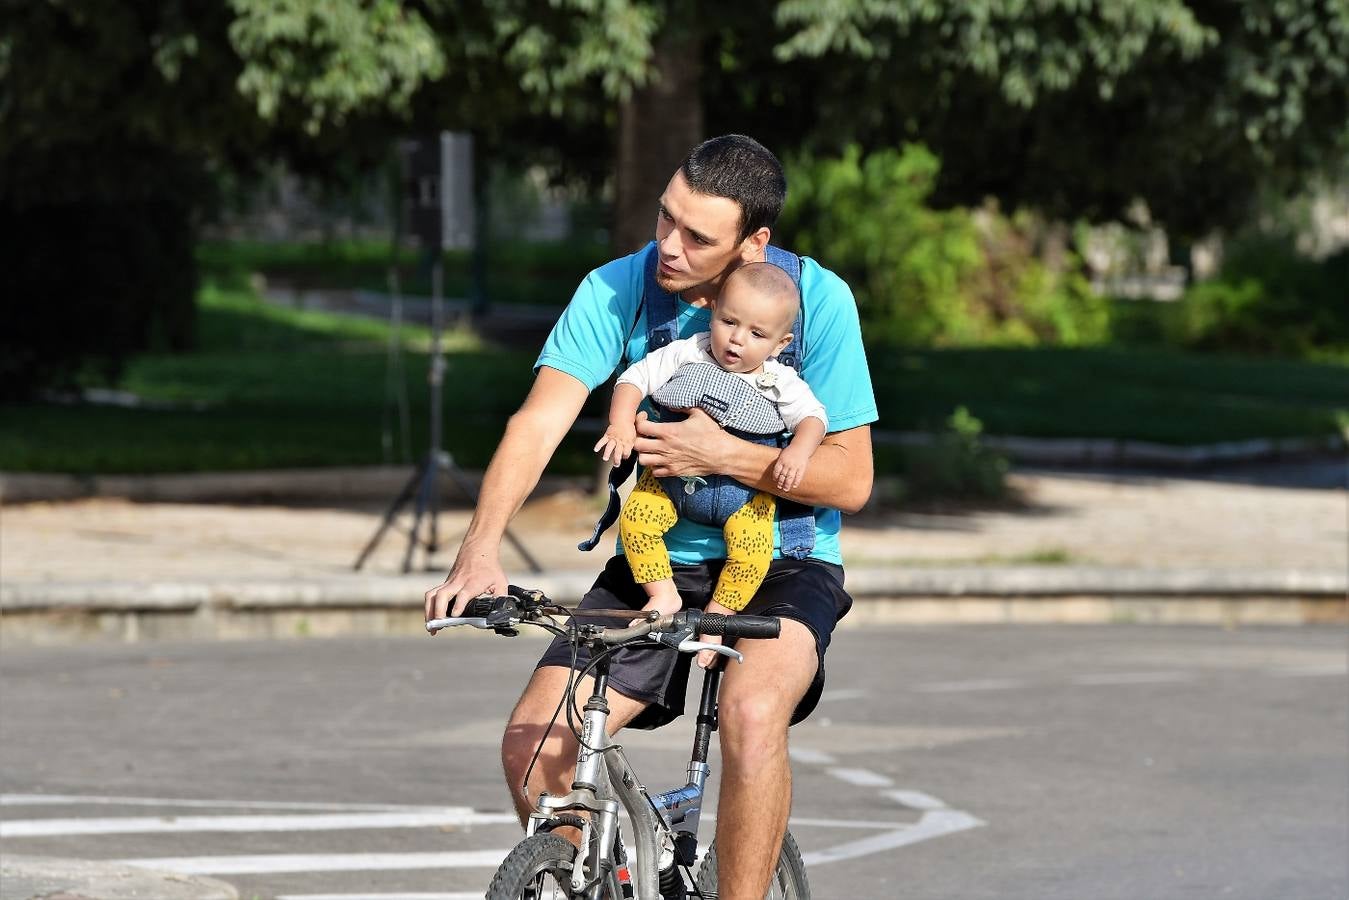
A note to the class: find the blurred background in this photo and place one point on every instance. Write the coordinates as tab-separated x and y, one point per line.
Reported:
1124	223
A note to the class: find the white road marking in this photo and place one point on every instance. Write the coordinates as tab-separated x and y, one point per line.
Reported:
934	824
471	895
810	757
915	800
979	684
1309	671
182	824
319	862
95	800
860	777
1108	678
840	823
843	694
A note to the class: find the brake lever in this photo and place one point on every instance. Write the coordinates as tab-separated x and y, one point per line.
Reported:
503	621
689	645
434	625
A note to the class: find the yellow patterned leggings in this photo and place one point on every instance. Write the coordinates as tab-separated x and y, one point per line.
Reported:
649	513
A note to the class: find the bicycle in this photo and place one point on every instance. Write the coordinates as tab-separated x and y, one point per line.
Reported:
664	825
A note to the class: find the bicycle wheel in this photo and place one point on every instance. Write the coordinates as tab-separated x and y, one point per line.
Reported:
539	868
789	878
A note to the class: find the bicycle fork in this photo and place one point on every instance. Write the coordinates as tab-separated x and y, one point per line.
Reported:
676	812
585	796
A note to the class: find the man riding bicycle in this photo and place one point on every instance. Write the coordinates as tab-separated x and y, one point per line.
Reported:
715	215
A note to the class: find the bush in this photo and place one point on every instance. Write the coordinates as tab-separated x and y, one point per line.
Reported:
1267	299
956	465
930	277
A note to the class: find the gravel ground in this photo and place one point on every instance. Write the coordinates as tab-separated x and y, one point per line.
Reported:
1290	516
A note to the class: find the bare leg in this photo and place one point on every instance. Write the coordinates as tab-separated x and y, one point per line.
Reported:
756	705
557	761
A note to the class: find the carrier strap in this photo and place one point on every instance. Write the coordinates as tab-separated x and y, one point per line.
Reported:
796	522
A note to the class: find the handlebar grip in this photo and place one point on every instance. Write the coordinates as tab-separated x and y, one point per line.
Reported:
478	608
740	626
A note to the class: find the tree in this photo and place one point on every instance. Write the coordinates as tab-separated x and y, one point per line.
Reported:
116	112
111	117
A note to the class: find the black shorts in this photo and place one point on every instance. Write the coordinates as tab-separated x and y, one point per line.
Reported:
808	591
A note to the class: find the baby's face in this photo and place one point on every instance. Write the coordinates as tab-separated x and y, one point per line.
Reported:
748	328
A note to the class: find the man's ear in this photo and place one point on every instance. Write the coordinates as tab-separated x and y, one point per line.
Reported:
751	248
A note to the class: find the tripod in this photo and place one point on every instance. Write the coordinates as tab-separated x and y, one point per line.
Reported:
423	483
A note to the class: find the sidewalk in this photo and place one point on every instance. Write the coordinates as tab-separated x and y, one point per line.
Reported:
1250	544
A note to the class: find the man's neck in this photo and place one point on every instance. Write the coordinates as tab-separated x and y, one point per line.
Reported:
702	295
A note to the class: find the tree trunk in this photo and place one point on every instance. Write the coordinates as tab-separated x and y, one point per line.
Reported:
657	127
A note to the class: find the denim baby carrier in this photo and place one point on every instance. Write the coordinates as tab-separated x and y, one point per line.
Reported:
733	404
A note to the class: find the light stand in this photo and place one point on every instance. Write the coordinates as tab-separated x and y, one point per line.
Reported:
427	195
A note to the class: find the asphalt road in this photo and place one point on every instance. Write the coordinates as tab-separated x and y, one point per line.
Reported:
1027	763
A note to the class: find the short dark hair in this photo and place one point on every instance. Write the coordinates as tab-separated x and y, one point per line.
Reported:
739	168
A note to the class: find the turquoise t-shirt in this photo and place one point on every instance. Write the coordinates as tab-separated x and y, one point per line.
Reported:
606	318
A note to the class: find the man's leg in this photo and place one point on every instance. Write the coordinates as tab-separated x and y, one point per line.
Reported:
756	706
557	761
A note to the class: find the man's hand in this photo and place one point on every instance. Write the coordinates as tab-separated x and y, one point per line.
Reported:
790	468
695	446
707	658
475	572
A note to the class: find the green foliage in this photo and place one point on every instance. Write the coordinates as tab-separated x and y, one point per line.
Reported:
331	58
1025	49
956	464
1071	108
930	277
1267	299
575	42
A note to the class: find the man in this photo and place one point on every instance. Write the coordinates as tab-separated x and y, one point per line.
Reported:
715	215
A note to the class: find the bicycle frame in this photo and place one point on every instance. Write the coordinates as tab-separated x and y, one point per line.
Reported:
601	769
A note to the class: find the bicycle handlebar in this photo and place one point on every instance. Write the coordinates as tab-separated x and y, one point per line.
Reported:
519	605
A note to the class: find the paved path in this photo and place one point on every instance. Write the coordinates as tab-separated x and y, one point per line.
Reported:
1286	517
981	763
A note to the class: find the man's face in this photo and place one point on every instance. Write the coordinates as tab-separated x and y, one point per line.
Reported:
696	236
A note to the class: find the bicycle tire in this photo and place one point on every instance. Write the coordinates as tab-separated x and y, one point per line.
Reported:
789	878
539	868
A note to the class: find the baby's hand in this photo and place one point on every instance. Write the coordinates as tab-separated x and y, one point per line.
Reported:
666	605
790	468
617	442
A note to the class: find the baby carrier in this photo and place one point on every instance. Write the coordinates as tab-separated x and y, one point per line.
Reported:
733	404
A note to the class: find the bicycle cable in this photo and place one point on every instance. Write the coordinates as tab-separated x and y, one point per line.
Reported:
538	750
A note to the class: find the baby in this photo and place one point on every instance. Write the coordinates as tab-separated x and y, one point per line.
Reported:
751	323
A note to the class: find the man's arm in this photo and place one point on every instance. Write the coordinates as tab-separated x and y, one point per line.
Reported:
531	437
840	473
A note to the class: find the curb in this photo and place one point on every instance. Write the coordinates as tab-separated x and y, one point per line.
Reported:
41	877
59	612
864	583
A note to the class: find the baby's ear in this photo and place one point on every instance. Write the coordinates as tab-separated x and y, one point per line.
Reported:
782	344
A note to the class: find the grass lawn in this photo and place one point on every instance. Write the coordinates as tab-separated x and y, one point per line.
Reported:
544	274
1162	396
275	388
